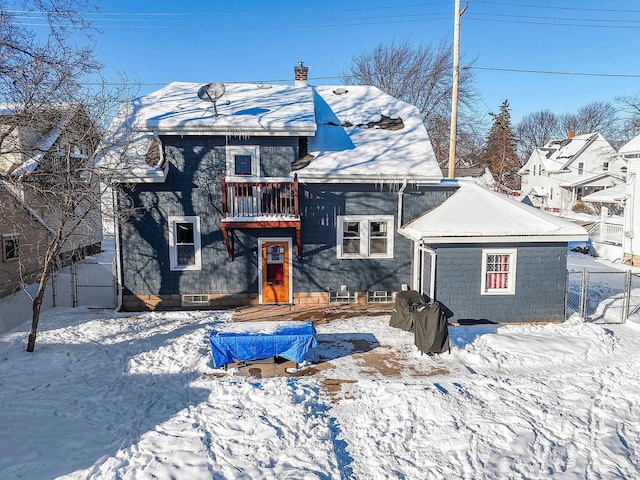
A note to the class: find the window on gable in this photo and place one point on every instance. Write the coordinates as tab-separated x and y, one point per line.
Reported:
184	243
361	236
605	166
580	168
243	161
498	271
10	249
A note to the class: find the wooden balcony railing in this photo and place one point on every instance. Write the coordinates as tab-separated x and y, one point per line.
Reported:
259	203
260	200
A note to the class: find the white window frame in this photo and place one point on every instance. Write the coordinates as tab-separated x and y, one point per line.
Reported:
173	247
364	221
511	274
580	168
14	237
233	150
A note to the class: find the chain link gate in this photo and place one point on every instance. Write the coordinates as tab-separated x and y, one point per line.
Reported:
602	297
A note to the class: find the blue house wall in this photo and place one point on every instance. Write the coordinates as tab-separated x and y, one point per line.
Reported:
539	291
193	188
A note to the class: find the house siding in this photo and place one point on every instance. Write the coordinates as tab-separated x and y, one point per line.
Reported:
193	188
540	283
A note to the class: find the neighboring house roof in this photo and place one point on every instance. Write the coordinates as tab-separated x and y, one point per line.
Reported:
537	191
613	194
40	149
632	146
475	214
6	186
355	132
590	180
557	155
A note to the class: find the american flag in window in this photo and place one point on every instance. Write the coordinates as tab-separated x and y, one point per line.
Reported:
498	271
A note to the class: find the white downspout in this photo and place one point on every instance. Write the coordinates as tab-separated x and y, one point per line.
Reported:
400	203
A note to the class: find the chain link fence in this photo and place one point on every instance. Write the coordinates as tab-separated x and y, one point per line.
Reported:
85	283
603	297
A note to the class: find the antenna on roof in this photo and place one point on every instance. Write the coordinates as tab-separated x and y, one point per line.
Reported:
212	92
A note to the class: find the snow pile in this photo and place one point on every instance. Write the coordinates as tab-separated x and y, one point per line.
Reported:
110	396
530	346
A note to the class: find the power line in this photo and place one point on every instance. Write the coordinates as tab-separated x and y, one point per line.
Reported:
555	72
563	8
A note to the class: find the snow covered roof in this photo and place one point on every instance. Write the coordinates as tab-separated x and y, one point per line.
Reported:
589	180
243	109
613	194
632	146
474	214
356	133
39	151
352	140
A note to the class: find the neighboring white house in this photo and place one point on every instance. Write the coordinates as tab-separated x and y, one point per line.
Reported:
563	171
630	153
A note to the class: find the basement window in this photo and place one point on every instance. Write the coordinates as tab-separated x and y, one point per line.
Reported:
343	297
379	296
195	300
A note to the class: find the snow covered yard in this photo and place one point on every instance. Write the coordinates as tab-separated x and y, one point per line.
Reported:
129	397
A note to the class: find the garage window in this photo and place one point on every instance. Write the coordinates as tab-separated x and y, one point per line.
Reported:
498	271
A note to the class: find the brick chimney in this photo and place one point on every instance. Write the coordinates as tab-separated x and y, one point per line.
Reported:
300	74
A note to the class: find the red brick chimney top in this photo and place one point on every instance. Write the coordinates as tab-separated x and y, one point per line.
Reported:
300	75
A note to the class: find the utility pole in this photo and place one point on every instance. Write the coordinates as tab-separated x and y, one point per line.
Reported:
454	88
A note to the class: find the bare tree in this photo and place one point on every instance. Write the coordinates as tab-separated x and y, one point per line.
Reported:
535	130
598	117
54	103
420	75
629	111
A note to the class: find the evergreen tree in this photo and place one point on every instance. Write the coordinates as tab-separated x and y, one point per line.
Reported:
500	155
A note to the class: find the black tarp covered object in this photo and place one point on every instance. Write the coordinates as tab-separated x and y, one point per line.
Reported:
406	305
431	329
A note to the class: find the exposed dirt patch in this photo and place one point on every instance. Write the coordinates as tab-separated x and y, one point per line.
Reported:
333	387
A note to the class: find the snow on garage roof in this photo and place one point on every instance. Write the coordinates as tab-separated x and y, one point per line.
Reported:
474	214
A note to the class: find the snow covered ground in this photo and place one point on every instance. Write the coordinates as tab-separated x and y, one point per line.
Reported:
117	396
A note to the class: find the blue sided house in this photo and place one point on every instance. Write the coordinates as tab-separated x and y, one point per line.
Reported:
246	194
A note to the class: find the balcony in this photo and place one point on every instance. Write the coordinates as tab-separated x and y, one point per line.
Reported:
607	233
259	203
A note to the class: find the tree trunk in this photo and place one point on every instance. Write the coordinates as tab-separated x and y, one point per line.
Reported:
35	319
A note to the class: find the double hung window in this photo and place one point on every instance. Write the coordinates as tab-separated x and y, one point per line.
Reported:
362	236
184	243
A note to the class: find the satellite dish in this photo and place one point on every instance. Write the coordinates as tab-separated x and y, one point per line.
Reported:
212	92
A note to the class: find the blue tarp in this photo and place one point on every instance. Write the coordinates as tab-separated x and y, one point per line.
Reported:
258	340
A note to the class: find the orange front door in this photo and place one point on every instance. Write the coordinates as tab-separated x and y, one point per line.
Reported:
275	272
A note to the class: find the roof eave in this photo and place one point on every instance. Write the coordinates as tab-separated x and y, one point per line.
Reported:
496	238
